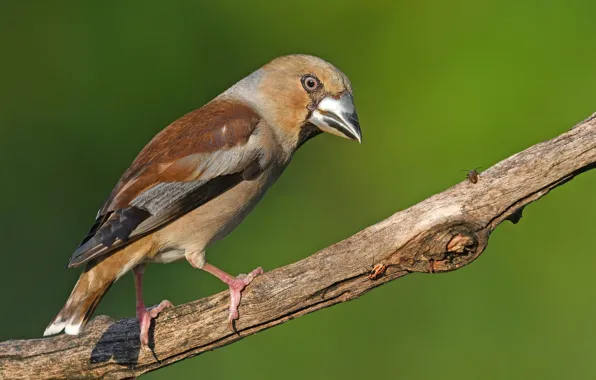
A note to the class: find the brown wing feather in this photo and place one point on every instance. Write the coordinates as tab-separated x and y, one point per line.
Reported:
171	157
218	125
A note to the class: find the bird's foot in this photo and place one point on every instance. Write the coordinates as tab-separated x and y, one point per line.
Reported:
145	315
237	285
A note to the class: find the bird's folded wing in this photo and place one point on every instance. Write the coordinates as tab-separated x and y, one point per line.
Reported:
192	161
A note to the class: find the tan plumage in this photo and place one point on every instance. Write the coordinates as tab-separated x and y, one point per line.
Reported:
199	177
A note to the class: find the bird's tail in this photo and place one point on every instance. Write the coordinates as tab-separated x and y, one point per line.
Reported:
83	300
94	282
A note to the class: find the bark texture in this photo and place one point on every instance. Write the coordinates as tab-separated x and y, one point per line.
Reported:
442	233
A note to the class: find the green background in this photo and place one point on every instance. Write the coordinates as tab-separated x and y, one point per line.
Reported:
439	86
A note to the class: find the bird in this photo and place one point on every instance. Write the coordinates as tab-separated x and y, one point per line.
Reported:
198	178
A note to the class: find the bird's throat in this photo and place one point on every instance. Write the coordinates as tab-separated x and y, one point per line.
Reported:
307	132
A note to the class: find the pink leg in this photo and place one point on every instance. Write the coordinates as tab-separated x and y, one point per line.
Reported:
236	284
145	315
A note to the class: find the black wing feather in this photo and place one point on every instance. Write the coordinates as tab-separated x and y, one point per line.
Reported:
121	227
109	231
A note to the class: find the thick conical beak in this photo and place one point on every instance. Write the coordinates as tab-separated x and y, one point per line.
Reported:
338	117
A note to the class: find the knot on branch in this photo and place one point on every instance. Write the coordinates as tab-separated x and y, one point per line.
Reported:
443	249
462	247
461	243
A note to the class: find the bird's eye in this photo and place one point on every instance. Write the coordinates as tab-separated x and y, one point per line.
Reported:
310	82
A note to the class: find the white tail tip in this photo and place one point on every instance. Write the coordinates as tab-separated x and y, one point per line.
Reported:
68	327
54	328
73	329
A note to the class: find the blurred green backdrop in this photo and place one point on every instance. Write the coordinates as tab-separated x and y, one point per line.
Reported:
440	87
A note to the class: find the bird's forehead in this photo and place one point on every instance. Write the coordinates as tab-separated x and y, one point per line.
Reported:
333	79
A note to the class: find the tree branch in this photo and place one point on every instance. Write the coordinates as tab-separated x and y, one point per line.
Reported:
442	233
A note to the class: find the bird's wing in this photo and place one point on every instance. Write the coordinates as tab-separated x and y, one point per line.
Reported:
193	160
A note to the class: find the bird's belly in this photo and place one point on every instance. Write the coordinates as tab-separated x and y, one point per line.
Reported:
166	255
196	230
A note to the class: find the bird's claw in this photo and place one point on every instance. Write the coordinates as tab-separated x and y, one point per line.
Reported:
155	310
145	315
236	287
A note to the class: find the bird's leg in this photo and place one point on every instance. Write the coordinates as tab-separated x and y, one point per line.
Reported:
236	284
145	315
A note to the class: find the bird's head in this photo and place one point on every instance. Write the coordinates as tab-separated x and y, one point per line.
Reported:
304	95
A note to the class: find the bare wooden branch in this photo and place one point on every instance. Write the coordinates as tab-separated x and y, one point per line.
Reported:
442	233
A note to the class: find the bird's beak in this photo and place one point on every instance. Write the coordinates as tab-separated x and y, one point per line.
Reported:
338	117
